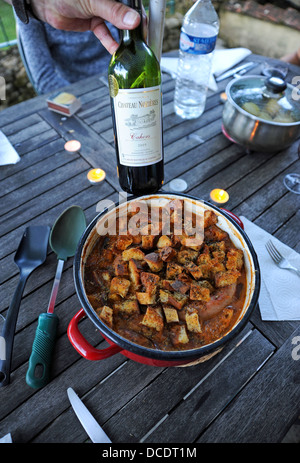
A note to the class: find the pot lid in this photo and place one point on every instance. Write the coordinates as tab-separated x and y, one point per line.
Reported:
270	99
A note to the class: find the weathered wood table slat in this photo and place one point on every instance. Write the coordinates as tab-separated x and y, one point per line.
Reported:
250	391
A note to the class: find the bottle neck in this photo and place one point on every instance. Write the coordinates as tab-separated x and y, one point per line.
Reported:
134	34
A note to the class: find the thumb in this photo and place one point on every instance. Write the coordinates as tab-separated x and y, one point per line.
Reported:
115	12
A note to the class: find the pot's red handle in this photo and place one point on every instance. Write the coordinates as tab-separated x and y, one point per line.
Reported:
234	217
83	347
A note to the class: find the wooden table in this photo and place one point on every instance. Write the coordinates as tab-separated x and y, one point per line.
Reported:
250	392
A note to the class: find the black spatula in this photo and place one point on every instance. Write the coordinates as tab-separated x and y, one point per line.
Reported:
31	253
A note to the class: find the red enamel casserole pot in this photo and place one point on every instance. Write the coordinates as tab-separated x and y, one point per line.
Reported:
226	221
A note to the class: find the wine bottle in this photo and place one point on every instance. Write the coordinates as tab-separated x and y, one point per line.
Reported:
135	90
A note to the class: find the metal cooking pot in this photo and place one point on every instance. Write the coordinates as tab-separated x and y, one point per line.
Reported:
228	222
262	114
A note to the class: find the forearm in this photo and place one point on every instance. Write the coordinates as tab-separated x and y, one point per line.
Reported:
293	58
82	15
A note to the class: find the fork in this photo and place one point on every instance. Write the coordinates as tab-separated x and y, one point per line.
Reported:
281	261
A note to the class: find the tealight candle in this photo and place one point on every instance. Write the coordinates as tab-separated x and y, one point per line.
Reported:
219	196
72	146
223	97
96	176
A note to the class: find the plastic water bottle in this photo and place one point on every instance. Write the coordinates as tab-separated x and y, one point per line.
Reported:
198	38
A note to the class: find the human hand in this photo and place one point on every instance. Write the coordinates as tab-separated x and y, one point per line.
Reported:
292	58
76	15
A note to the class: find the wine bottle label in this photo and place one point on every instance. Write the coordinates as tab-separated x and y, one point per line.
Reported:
138	124
197	45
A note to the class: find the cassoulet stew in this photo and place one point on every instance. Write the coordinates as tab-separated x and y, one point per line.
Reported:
165	290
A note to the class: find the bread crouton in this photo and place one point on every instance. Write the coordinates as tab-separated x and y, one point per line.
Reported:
192	322
218	250
180	286
120	267
114	297
234	259
214	233
138	212
177	300
226	278
186	255
148	241
216	266
150	281
192	242
178	335
219	255
176	228
129	307
164	296
218	246
134	273
146	298
204	262
194	270
176	241
166	284
199	292
171	314
207	284
173	270
163	241
133	253
106	315
203	258
153	319
176	208
206	270
167	253
119	286
210	218
122	242
136	238
154	261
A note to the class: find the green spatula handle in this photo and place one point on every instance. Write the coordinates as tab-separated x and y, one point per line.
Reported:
38	373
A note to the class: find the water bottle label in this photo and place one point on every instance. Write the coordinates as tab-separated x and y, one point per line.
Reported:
138	123
197	45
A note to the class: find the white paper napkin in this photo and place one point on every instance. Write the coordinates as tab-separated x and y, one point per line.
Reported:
226	59
6	439
280	289
221	62
8	154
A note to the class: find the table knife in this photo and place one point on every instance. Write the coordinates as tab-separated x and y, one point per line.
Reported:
243	67
92	428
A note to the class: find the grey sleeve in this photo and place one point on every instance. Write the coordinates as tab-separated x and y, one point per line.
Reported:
38	57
